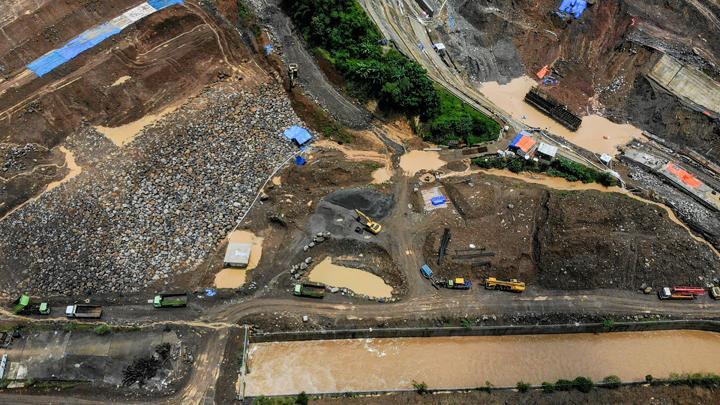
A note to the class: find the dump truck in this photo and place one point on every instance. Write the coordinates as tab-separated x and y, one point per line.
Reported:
667	293
24	306
83	311
368	222
492	283
309	290
715	293
170	300
426	271
459	284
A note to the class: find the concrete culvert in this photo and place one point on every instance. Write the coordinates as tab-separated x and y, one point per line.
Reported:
372	202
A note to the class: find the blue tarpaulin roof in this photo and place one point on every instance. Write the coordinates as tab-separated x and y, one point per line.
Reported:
88	39
161	4
298	134
574	7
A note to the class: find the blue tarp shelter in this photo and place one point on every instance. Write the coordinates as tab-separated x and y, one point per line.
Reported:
299	135
161	4
574	7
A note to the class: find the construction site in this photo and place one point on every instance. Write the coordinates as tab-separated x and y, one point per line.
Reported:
232	201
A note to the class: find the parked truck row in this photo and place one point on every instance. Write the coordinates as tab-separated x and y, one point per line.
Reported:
24	305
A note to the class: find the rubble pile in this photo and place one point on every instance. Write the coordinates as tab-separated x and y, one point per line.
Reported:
156	207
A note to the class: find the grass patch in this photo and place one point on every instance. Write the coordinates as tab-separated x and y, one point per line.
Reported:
102	330
559	167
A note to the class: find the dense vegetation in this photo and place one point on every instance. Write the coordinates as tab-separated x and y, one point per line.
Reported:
559	167
341	31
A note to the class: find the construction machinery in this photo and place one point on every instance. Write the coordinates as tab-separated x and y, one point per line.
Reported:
512	285
170	300
83	311
667	293
309	290
458	283
368	223
24	306
426	271
292	73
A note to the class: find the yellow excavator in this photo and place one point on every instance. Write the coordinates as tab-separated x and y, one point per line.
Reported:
368	222
492	283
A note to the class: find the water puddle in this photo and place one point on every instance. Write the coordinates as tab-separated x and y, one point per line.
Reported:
596	134
120	81
71	165
230	278
358	281
417	160
124	134
281	368
235	278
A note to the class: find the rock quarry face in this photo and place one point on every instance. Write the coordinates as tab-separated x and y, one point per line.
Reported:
155	207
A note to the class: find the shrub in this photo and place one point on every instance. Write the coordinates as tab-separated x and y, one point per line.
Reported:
608	323
583	384
466	323
301	399
563	385
487	388
649	378
547	387
420	387
612	381
103	329
522	386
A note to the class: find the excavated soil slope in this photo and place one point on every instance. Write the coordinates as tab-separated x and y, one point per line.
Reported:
601	58
156	62
568	239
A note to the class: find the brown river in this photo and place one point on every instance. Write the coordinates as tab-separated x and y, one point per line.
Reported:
468	362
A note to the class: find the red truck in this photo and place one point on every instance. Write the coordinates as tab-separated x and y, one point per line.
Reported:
667	293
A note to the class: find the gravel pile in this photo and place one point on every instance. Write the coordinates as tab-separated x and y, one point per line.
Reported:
158	206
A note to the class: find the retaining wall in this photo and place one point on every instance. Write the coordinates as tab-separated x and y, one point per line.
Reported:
686	82
705	325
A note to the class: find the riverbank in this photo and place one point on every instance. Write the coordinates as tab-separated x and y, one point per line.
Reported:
623	395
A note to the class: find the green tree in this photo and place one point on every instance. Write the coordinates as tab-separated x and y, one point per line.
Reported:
612	381
583	384
301	399
548	387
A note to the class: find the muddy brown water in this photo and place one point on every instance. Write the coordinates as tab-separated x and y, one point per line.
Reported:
73	167
468	362
416	160
125	134
596	134
356	280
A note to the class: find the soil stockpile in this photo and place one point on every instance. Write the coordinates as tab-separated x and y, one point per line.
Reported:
566	239
605	240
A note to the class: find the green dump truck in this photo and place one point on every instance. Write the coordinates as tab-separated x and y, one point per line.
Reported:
24	306
170	300
309	290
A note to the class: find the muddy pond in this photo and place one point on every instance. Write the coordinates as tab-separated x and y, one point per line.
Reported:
468	362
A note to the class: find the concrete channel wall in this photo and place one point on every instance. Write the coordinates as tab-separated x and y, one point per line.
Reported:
704	325
687	82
